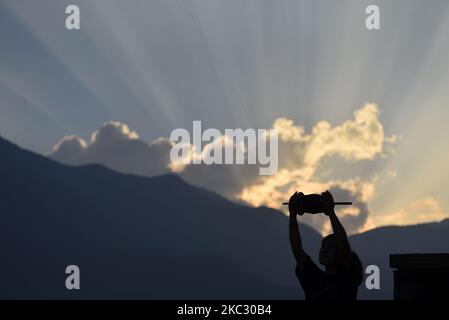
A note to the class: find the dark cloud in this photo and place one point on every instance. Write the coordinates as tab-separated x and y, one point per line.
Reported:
227	180
118	148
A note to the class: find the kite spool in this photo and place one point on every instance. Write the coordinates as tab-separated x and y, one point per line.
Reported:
313	203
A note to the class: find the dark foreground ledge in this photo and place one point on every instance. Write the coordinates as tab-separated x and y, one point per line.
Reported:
420	276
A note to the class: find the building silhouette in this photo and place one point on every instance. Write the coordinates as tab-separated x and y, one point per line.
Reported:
420	276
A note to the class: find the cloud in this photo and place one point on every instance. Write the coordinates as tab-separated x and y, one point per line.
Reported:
300	154
422	210
361	138
117	147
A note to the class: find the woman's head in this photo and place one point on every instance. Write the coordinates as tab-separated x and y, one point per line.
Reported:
329	254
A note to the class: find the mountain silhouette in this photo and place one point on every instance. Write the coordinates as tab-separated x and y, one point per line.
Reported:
157	238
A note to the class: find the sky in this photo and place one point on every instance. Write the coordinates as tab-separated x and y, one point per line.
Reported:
360	112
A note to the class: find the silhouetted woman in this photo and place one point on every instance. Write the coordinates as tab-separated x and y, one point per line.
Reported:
343	269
